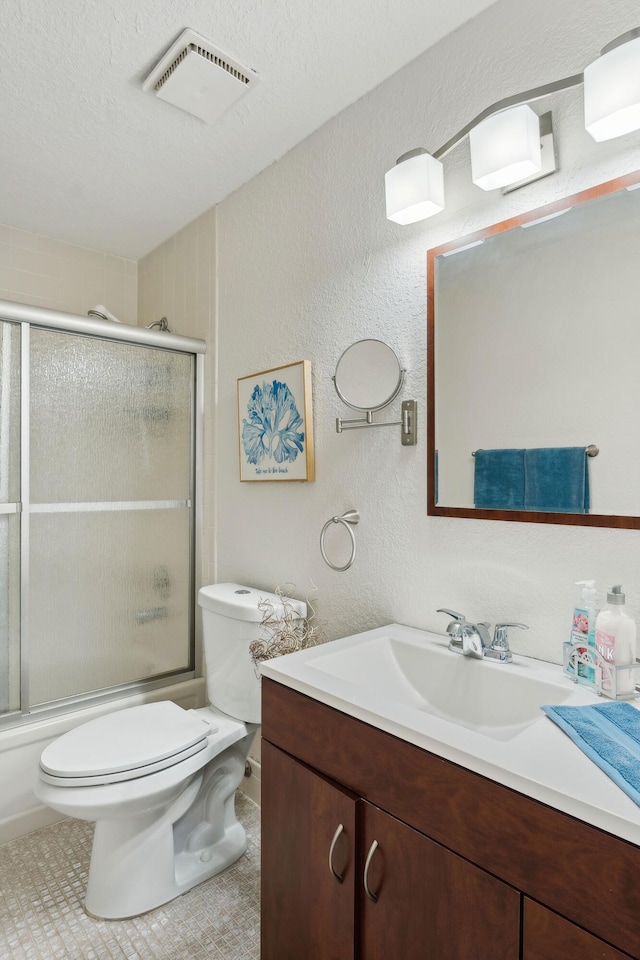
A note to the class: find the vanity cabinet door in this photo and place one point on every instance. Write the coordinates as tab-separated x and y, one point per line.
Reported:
430	902
550	937
307	912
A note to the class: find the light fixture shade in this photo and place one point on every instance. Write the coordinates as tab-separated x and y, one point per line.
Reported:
612	92
414	188
505	148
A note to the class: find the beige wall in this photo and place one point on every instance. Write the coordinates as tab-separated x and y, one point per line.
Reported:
50	273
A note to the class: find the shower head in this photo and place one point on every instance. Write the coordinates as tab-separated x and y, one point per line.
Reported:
101	313
161	324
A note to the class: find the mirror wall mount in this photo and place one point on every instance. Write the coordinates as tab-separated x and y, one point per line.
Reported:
612	204
409	423
368	378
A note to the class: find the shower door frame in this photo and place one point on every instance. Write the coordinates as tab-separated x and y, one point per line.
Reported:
29	316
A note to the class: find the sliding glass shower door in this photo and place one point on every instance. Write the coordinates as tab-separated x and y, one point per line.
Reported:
9	517
96	515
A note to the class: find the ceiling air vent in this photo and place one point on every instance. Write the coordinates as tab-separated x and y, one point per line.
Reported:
198	78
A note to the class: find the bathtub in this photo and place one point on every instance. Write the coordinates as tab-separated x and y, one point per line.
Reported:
20	748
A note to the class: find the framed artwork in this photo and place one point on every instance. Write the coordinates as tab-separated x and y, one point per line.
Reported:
275	428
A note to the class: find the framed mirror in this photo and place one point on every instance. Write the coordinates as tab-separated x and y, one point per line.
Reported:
534	350
368	375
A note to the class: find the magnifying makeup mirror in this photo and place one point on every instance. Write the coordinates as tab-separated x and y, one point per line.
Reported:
369	377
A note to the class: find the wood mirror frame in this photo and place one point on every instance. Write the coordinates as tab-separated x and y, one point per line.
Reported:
433	509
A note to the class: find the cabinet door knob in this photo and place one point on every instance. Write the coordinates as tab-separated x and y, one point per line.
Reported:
334	873
372	849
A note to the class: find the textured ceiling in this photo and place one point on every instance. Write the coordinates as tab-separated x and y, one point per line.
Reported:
89	158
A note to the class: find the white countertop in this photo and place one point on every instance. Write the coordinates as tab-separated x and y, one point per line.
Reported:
540	761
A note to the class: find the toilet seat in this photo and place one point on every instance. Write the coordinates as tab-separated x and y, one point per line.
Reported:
125	745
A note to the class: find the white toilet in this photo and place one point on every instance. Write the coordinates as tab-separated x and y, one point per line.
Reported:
159	780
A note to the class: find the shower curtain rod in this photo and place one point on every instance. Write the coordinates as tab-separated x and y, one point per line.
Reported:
88	326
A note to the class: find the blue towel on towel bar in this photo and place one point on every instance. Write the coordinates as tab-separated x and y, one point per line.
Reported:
609	734
556	480
542	479
498	482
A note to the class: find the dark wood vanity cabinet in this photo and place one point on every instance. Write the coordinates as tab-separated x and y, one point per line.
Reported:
430	902
420	893
546	936
462	868
307	913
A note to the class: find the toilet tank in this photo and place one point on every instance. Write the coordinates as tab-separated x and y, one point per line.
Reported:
231	620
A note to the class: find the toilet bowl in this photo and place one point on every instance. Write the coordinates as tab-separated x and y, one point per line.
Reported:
160	781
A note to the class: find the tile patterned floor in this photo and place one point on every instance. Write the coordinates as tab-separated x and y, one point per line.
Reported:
42	881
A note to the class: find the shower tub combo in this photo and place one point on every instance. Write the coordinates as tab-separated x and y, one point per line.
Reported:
99	480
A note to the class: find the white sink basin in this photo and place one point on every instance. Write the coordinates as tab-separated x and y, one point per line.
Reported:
480	714
495	699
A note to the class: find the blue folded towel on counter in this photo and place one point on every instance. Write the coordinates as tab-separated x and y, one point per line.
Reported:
541	479
556	480
609	734
498	482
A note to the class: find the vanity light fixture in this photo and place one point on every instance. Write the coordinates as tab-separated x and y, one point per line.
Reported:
612	89
414	188
505	148
504	139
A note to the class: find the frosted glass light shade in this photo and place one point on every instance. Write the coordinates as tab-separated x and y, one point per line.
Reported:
414	189
505	148
612	92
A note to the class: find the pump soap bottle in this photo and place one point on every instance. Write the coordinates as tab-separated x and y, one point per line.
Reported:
583	629
616	643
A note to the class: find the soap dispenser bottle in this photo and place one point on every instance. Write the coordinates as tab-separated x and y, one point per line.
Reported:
616	643
583	628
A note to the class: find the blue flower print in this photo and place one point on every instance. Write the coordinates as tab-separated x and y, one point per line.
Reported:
272	429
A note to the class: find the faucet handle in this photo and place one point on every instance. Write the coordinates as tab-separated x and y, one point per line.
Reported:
460	617
500	632
500	646
455	628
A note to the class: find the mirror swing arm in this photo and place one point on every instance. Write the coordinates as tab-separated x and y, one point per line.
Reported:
408	423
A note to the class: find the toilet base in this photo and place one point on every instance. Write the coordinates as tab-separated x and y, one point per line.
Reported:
139	863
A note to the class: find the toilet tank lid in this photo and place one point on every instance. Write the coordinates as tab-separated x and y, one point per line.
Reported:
242	603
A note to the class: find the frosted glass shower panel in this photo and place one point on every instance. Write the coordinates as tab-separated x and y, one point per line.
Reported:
109	421
109	601
9	612
10	405
9	412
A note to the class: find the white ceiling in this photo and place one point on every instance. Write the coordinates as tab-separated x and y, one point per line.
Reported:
89	158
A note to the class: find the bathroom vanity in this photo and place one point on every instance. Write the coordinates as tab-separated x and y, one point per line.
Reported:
434	858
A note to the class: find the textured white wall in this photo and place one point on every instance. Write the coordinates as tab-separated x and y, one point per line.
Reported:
307	263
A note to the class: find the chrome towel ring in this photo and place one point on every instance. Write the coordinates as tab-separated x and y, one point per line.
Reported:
348	520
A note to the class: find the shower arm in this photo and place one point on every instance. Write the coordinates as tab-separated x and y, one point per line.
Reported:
101	313
161	324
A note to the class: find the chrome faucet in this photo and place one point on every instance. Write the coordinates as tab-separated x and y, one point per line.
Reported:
469	639
474	640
